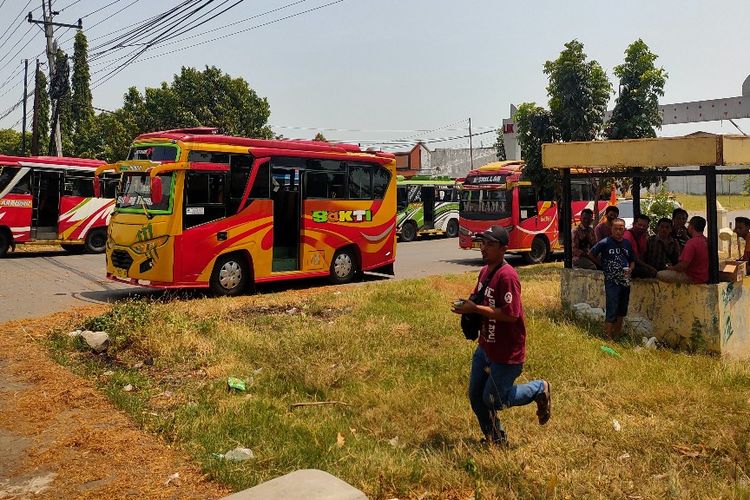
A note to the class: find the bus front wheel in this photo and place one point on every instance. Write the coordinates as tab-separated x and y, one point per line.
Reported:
96	241
538	252
452	229
343	266
409	231
230	275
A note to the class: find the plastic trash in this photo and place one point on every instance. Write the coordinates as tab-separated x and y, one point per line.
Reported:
616	425
610	351
649	343
239	454
236	384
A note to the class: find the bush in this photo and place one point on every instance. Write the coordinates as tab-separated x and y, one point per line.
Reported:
660	206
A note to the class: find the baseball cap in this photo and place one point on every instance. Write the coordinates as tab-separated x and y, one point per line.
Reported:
495	233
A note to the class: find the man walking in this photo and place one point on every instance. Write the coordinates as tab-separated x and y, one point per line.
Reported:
499	357
615	256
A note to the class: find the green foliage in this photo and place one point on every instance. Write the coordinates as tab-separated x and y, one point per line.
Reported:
10	141
60	90
658	207
578	94
500	145
535	127
636	113
320	137
41	97
82	111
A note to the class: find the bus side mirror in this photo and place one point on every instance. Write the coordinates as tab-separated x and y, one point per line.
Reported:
156	190
97	188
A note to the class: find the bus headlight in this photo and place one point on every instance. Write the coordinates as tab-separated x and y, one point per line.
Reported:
143	247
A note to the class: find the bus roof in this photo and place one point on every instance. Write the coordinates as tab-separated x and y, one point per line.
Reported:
210	135
499	167
61	162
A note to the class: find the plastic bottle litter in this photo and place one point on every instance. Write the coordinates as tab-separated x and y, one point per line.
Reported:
239	454
610	351
616	425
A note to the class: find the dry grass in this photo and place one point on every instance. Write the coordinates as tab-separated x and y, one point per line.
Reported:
394	353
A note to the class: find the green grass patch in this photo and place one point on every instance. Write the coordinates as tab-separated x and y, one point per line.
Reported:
394	355
696	202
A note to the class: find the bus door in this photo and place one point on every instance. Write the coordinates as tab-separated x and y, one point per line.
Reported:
428	206
287	202
46	186
527	206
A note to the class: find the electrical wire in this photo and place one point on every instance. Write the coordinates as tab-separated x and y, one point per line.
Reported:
14	22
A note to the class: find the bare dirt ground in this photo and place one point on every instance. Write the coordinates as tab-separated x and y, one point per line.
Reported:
61	438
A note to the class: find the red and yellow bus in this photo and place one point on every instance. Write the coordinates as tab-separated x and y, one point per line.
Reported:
198	209
50	200
495	194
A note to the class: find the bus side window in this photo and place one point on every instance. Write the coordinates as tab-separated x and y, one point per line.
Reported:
24	185
261	189
402	198
527	202
380	179
78	186
360	182
240	166
325	179
205	193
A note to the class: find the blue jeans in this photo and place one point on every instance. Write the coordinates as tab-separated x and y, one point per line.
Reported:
491	389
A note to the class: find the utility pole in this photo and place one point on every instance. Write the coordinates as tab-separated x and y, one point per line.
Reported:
35	115
471	147
25	95
49	25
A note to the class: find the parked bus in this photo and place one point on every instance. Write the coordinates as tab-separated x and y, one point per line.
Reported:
495	194
198	209
50	200
426	205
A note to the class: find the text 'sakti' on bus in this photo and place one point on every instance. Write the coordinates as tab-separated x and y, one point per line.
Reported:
426	205
50	200
496	194
198	209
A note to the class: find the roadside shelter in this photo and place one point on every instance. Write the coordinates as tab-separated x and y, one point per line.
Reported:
714	317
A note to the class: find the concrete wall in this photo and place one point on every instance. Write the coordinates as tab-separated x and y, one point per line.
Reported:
697	185
705	318
457	162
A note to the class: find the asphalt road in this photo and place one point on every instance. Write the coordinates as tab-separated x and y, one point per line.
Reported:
40	283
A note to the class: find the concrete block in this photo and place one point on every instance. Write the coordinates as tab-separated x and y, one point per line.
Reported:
308	484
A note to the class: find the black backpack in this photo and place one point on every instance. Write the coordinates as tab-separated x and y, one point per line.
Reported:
471	323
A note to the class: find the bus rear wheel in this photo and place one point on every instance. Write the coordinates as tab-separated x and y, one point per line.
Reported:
230	275
96	241
4	242
452	229
538	252
409	231
343	266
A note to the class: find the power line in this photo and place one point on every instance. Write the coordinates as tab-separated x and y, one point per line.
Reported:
13	22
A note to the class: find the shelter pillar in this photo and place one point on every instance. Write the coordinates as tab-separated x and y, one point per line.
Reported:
567	216
636	192
712	225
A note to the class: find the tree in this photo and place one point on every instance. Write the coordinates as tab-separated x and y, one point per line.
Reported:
500	145
578	94
40	136
81	109
59	91
319	137
535	127
10	141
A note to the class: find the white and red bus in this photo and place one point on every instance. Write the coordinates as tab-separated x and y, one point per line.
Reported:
50	200
496	194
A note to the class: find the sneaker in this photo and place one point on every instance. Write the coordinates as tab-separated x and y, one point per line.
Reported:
544	404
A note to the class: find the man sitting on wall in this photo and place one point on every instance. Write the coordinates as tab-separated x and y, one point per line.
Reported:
583	240
661	248
693	264
742	230
679	230
638	238
604	228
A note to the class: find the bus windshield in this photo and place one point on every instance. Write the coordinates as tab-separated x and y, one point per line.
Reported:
485	204
136	193
153	153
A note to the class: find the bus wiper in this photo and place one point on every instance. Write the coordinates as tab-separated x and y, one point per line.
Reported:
145	210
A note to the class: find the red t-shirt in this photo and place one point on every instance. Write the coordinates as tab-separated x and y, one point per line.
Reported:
638	244
695	254
503	342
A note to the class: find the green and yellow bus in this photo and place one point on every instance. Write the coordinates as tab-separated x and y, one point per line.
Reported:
426	205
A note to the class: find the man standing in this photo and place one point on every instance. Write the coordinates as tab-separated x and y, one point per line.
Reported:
604	228
499	357
615	256
742	230
679	230
693	264
583	239
661	248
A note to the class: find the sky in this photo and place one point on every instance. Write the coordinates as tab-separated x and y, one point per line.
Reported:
385	70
